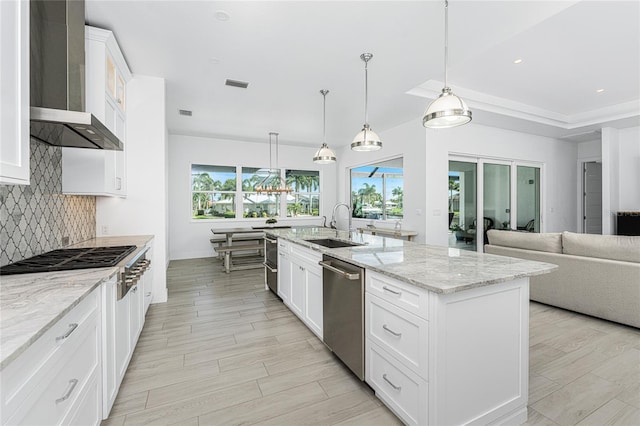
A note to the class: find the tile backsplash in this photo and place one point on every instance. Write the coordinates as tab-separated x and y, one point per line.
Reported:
38	218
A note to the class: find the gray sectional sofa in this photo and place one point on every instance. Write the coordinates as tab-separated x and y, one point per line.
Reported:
597	275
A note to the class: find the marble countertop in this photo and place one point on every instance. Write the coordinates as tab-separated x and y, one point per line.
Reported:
30	304
438	269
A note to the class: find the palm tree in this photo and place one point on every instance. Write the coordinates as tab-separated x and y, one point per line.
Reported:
398	196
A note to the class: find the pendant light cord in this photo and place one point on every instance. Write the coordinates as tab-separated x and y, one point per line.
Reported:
324	116
366	92
446	39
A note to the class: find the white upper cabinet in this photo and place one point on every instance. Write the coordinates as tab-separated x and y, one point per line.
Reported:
98	172
14	86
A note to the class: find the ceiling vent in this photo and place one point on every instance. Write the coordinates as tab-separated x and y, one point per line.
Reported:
236	83
185	112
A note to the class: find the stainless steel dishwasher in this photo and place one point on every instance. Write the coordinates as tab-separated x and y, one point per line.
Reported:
343	312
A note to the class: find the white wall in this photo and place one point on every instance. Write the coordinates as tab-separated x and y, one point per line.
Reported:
610	179
629	167
190	239
591	151
143	212
407	140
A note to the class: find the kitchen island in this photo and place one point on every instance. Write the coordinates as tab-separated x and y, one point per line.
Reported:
446	331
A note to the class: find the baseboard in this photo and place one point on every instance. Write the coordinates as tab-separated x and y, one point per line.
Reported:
515	417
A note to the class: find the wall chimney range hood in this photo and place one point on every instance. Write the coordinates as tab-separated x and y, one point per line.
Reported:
58	79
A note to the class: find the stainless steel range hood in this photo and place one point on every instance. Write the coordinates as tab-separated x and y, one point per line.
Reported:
58	114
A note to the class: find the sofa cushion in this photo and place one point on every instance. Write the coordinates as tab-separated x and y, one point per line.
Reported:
614	247
548	242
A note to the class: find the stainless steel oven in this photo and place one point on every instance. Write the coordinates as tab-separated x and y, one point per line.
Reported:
271	263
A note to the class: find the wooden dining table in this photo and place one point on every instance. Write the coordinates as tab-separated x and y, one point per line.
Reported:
229	248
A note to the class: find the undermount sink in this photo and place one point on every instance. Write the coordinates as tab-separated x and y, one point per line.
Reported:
331	243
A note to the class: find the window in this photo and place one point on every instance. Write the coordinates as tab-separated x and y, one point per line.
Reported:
213	192
229	192
377	190
305	198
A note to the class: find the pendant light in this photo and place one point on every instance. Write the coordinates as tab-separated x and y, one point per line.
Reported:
324	155
447	110
367	139
273	183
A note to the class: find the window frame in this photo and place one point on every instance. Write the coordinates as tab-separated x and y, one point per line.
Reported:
239	195
383	218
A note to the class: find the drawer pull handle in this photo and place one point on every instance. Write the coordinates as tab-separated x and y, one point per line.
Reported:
72	383
72	327
391	331
398	388
148	294
397	293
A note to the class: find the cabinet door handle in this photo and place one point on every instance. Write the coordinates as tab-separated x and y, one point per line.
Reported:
148	294
72	327
397	293
391	331
72	386
301	268
398	388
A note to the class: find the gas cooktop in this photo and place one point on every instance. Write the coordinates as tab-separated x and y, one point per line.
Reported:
69	259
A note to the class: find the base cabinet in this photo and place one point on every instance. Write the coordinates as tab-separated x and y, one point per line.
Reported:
284	276
440	359
56	380
300	284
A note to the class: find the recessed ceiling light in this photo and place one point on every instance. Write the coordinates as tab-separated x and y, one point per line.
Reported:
599	90
222	15
517	61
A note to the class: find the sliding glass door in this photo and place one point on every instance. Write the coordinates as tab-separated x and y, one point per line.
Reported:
491	194
463	204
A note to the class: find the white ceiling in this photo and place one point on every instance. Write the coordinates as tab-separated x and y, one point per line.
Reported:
289	50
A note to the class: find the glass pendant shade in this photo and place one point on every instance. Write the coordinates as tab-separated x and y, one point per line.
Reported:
324	155
366	140
447	110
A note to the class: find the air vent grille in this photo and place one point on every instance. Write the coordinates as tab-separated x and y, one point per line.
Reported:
185	112
236	83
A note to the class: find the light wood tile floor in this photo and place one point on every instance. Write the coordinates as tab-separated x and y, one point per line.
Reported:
224	351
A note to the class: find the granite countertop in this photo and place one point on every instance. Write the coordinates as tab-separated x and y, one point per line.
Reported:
30	304
438	269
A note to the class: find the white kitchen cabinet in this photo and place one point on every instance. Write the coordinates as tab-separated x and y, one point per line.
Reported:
298	287
57	379
284	276
101	172
305	284
147	283
123	321
14	86
454	358
313	316
137	309
122	330
110	375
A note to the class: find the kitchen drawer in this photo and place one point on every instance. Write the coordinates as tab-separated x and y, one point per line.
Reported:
55	397
404	392
403	335
88	409
27	373
284	246
406	296
307	255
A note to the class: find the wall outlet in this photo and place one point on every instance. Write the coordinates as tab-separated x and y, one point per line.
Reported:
65	241
104	229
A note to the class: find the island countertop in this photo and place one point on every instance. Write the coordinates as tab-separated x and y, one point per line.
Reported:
30	304
438	269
